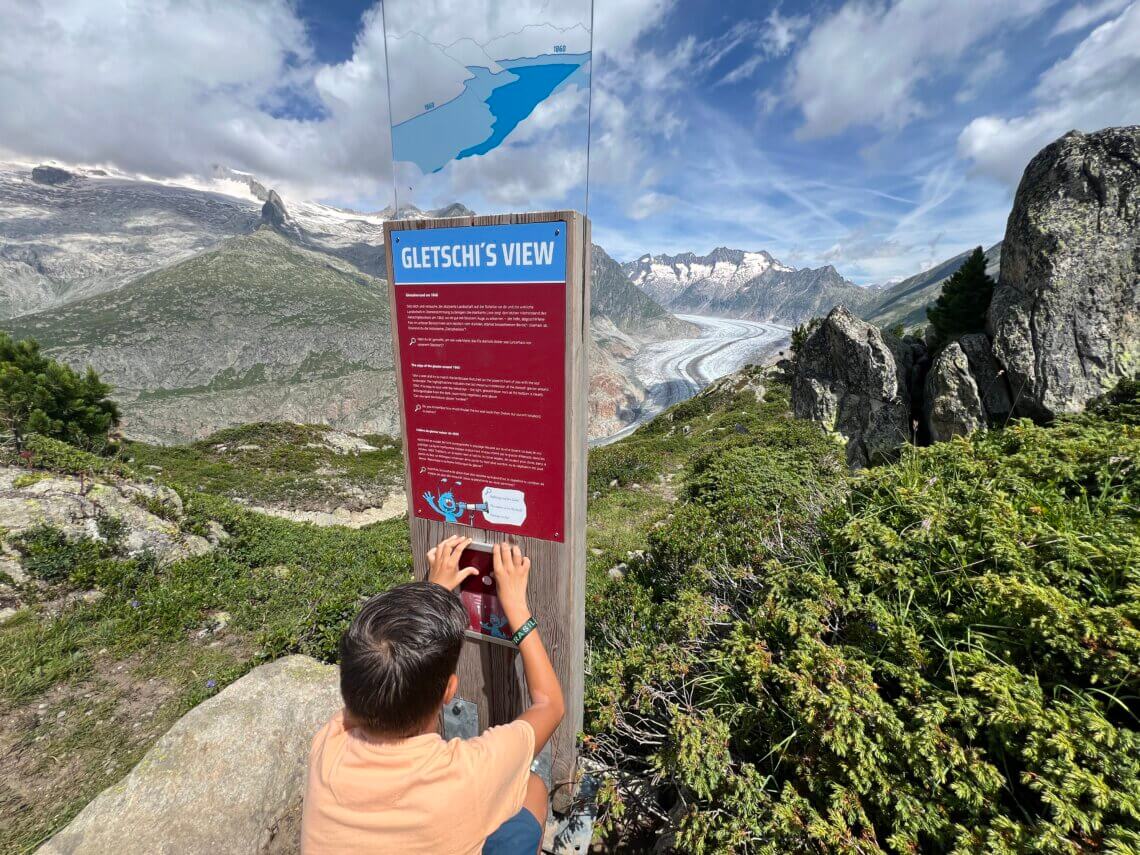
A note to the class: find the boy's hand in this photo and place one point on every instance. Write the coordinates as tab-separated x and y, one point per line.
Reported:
443	562
511	573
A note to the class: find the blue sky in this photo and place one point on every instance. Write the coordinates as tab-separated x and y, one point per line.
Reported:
880	136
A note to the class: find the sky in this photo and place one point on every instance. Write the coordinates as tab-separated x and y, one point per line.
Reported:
880	137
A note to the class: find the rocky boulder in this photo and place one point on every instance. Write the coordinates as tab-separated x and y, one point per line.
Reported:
988	376
51	175
965	389
952	402
227	778
853	381
1065	315
149	513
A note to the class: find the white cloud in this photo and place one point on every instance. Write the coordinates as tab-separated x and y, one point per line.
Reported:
780	33
986	69
863	64
618	24
1086	14
774	38
1096	86
169	88
480	20
649	204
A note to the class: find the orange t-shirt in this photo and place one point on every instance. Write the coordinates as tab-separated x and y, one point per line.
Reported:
417	795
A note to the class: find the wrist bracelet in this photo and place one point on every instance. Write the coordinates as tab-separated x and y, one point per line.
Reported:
523	631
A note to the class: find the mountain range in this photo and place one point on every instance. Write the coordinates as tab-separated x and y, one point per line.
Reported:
214	304
739	284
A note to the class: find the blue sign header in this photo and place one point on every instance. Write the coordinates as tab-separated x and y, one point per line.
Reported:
521	252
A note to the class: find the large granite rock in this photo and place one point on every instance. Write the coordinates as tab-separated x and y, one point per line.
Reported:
989	377
952	402
853	381
1065	316
225	779
149	513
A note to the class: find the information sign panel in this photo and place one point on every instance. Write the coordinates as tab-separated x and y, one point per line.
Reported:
490	317
480	316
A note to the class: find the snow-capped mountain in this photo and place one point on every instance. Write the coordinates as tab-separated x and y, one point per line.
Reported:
67	232
212	302
740	284
719	274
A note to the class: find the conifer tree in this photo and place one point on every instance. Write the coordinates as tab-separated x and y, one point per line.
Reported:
40	395
965	298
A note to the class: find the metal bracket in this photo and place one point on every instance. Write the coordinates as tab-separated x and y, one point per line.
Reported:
572	834
543	766
460	719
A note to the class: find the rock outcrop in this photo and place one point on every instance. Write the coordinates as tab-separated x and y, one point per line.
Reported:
953	405
51	175
853	381
965	389
147	512
225	779
1065	316
988	376
144	518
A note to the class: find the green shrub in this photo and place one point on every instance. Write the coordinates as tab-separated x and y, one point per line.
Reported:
112	529
40	395
44	452
946	660
624	463
1121	404
49	555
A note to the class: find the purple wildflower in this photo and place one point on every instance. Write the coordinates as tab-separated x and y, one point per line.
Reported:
134	604
211	683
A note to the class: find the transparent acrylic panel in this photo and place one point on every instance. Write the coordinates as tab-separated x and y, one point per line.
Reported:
490	103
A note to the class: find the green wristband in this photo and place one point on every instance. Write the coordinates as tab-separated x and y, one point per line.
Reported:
523	631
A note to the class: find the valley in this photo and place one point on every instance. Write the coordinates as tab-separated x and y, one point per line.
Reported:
212	303
676	369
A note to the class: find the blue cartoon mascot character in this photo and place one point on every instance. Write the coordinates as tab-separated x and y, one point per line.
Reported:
447	507
494	626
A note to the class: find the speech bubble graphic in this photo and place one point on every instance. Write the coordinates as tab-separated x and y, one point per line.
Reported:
504	507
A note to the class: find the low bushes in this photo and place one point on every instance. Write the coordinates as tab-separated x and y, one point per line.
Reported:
947	659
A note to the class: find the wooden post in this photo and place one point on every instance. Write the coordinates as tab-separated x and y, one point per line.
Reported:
490	674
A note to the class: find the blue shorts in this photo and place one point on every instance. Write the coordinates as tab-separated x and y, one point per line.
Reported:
519	835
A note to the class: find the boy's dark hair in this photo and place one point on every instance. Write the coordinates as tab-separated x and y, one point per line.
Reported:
397	655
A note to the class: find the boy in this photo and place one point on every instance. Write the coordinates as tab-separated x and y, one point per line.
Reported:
381	779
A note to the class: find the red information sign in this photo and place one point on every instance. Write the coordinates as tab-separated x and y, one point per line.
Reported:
481	326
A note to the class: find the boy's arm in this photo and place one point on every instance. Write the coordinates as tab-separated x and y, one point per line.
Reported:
546	704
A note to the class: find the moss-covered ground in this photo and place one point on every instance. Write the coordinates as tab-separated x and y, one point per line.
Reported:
274	464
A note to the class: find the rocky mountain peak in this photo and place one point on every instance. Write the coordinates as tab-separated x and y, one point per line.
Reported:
743	284
256	188
732	256
274	215
273	212
455	209
51	175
